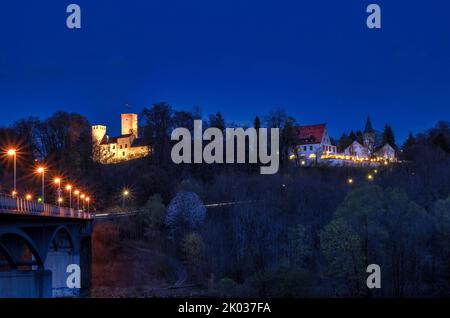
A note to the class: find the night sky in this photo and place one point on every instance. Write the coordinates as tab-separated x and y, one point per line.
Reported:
317	59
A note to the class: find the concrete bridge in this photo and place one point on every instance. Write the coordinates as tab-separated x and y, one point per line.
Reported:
37	244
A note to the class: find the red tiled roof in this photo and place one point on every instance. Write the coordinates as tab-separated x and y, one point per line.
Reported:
311	134
113	140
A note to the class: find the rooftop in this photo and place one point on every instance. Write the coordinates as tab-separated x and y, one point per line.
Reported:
311	134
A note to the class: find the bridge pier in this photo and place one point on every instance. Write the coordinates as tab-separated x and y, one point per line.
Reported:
57	262
86	265
26	284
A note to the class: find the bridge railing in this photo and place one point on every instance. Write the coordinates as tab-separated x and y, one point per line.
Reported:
17	205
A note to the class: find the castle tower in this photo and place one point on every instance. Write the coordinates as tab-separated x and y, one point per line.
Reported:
130	124
98	133
369	136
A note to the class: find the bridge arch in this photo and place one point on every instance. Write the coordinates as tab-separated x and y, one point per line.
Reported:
61	232
62	251
26	239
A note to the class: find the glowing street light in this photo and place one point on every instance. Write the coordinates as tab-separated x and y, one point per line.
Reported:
57	181
82	196
88	199
28	197
14	193
60	200
13	153
77	193
350	181
41	171
69	188
125	195
370	177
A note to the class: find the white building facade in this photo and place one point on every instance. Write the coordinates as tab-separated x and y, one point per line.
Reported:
313	141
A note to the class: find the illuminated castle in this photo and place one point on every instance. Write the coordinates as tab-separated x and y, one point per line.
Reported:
127	146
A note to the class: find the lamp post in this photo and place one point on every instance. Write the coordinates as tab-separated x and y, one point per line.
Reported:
69	188
88	199
82	196
125	195
77	193
57	181
41	170
13	153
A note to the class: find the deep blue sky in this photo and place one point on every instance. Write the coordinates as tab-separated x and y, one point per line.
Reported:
317	59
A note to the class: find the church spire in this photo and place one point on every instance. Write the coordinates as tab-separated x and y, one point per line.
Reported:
368	129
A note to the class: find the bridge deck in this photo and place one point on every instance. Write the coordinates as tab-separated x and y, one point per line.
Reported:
20	206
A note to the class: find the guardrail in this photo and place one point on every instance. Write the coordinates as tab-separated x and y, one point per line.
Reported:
17	205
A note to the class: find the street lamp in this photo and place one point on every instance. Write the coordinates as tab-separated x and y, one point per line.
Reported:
57	181
28	197
88	199
41	170
13	153
82	196
77	193
125	195
69	188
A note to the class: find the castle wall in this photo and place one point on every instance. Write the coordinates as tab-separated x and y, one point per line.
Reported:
113	151
98	133
129	124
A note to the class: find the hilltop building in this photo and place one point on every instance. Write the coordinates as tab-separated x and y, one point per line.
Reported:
314	147
313	141
369	148
127	146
